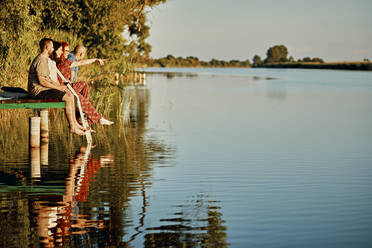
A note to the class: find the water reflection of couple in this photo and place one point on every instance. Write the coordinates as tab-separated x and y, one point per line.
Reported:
58	216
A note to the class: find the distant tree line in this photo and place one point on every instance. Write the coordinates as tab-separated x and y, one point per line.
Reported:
191	61
274	55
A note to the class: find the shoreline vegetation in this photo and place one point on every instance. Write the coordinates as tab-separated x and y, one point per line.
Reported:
115	31
353	65
361	65
99	26
276	57
112	30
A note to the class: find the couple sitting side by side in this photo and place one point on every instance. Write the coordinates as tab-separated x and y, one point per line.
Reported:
43	83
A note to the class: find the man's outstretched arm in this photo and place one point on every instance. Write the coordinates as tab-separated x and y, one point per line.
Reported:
87	62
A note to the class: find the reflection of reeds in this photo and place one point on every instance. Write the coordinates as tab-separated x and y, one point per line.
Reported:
13	133
198	224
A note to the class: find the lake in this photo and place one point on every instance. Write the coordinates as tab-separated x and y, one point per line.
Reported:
203	157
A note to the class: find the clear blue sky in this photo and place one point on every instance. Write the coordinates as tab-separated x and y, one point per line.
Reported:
335	30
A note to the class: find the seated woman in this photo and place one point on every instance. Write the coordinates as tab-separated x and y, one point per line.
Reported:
75	127
81	88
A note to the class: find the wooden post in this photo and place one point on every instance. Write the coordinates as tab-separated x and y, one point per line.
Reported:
35	131
135	77
35	163
44	129
44	154
144	78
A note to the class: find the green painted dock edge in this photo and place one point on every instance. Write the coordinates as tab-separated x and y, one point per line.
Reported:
33	105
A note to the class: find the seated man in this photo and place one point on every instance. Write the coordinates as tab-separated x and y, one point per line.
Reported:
41	86
77	56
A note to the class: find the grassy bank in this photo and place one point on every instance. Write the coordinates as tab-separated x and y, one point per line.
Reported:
14	71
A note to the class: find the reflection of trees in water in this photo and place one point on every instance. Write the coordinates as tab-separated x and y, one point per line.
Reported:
100	216
198	224
277	94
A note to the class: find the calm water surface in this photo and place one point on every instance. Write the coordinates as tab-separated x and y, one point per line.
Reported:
218	157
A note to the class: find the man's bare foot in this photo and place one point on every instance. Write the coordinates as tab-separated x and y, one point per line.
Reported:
103	121
77	131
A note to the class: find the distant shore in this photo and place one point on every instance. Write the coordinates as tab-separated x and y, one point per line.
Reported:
361	66
276	57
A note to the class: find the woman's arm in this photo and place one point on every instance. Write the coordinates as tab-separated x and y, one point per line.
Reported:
86	62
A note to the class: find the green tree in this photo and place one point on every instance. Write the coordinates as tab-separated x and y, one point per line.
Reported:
97	24
246	63
101	23
318	60
276	54
171	60
257	60
17	28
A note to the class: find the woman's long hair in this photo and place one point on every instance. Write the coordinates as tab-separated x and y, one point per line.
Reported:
56	46
64	44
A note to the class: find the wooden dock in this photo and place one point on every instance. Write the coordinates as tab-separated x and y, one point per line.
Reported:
30	104
18	98
38	126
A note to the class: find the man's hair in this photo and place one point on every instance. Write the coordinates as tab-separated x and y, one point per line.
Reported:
43	43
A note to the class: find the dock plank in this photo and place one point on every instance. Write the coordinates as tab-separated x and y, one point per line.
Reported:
30	104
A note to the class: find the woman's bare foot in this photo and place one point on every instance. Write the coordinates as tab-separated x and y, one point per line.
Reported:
103	121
